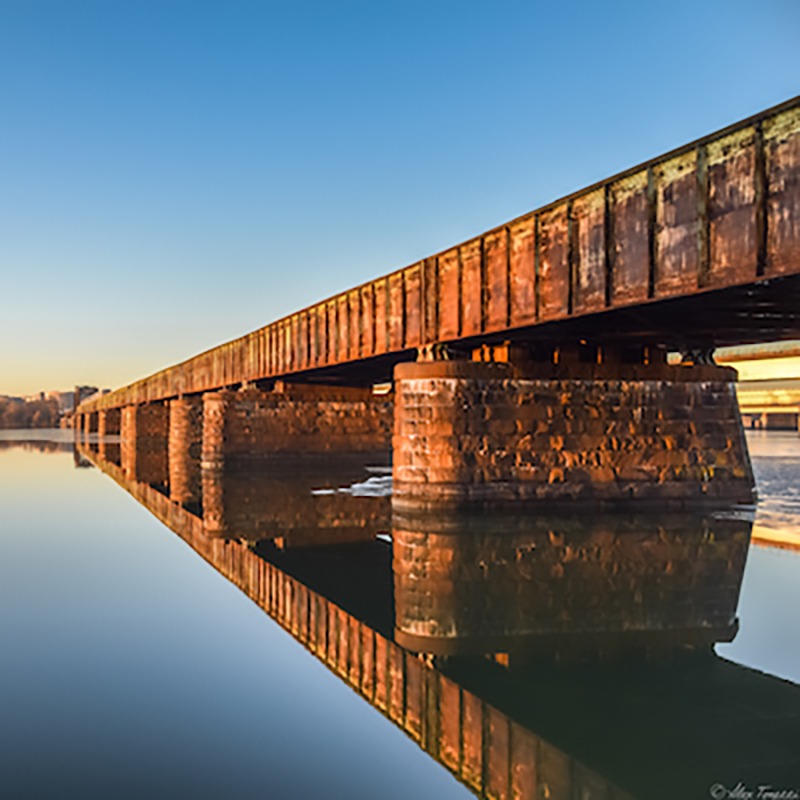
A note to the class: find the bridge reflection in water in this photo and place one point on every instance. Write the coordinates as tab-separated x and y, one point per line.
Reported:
534	657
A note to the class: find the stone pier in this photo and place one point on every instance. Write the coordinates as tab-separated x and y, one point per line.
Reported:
603	433
185	445
109	424
89	422
295	419
144	432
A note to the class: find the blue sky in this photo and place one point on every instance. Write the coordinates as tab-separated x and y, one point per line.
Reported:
175	174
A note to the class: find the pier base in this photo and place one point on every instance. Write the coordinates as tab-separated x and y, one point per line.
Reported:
144	431
606	433
295	419
89	422
185	446
109	423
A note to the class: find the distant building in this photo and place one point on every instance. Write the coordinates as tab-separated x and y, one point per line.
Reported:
83	393
65	400
769	383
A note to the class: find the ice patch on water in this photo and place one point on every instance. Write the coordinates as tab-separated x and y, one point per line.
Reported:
741	514
375	486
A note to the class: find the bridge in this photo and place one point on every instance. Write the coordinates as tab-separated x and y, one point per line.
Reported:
530	361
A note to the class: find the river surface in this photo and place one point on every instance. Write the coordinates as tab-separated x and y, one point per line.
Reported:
400	656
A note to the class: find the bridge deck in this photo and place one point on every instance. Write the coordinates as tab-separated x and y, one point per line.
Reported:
700	244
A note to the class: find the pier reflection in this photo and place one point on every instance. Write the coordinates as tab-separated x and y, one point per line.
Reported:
534	657
297	503
565	586
37	446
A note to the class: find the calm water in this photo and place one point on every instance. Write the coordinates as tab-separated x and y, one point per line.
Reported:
133	666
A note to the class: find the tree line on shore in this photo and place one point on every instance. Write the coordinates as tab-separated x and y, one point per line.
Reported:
15	413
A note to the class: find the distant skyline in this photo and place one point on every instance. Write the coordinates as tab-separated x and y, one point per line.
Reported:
176	174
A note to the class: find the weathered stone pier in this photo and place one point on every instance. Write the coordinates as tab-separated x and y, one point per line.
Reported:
593	432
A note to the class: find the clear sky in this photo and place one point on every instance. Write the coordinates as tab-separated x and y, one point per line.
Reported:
174	174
